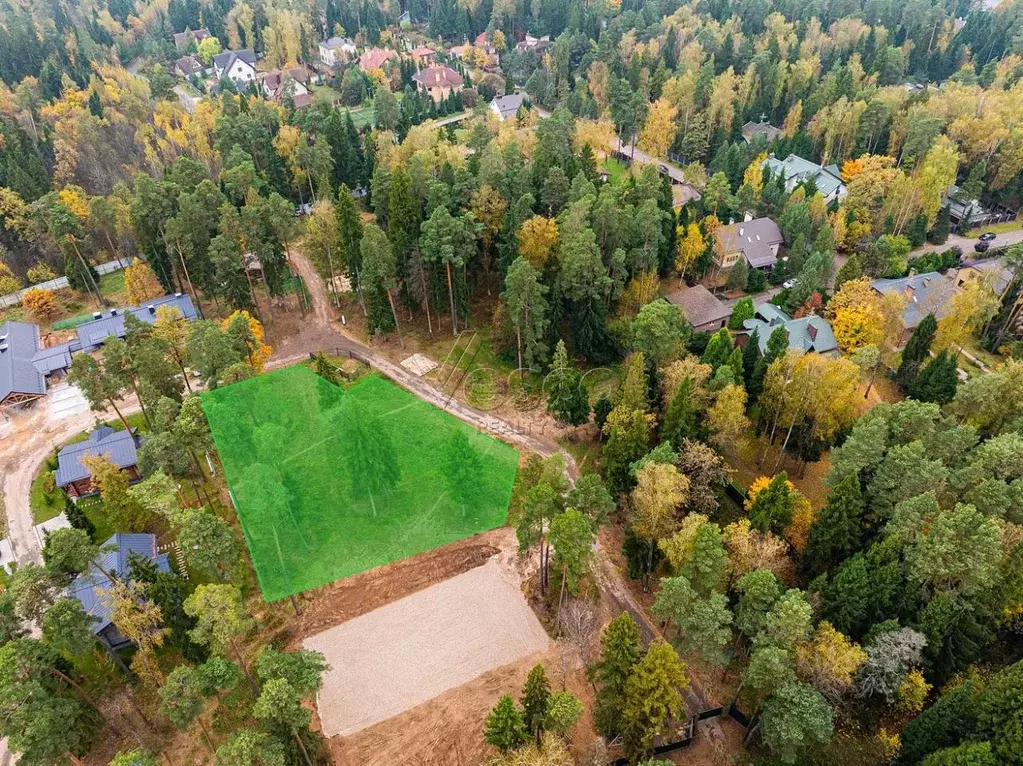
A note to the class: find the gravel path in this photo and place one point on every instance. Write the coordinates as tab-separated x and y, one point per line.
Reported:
411	650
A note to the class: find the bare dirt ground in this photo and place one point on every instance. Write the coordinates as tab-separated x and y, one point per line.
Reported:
411	650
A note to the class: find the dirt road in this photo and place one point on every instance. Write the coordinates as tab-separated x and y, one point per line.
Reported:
22	452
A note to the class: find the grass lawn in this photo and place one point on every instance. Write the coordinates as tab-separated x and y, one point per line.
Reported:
96	513
997	228
44	505
364	116
615	169
329	482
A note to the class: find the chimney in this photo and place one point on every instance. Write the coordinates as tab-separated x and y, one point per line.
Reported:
749	217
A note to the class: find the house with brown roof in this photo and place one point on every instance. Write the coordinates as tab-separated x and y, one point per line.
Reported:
186	66
702	308
424	56
753	131
183	39
757	241
375	58
438	82
278	84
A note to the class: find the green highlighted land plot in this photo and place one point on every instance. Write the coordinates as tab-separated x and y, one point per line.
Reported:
330	482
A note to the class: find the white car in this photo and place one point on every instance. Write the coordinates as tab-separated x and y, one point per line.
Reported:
788	284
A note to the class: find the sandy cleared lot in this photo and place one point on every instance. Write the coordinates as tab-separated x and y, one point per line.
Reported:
414	649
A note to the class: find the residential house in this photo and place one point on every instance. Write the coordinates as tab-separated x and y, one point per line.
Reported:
924	294
187	66
337	50
809	333
753	131
375	58
90	587
20	380
438	82
702	308
183	40
796	170
536	44
965	213
119	447
506	107
484	45
757	241
238	66
424	56
997	275
92	334
278	85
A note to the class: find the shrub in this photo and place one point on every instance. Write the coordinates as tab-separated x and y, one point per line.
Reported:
40	272
41	305
9	285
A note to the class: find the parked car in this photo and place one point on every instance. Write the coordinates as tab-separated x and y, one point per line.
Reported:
982	246
788	284
304	209
987	236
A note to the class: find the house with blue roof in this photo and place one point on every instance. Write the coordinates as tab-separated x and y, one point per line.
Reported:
119	447
92	334
20	381
90	587
809	333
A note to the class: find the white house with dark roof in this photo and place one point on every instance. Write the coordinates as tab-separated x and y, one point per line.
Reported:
237	66
337	50
757	241
506	107
796	170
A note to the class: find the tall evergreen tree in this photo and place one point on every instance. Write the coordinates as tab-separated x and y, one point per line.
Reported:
937	381
916	351
838	530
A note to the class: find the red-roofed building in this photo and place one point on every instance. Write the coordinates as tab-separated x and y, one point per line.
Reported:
424	55
439	81
375	58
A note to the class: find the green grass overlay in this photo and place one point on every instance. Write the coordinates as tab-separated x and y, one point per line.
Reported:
330	482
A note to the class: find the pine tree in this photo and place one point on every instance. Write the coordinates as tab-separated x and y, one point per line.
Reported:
751	355
719	348
937	381
916	350
942	227
76	517
619	653
535	697
505	727
838	530
652	696
680	419
567	401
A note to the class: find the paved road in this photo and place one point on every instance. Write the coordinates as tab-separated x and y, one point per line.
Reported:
967	243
